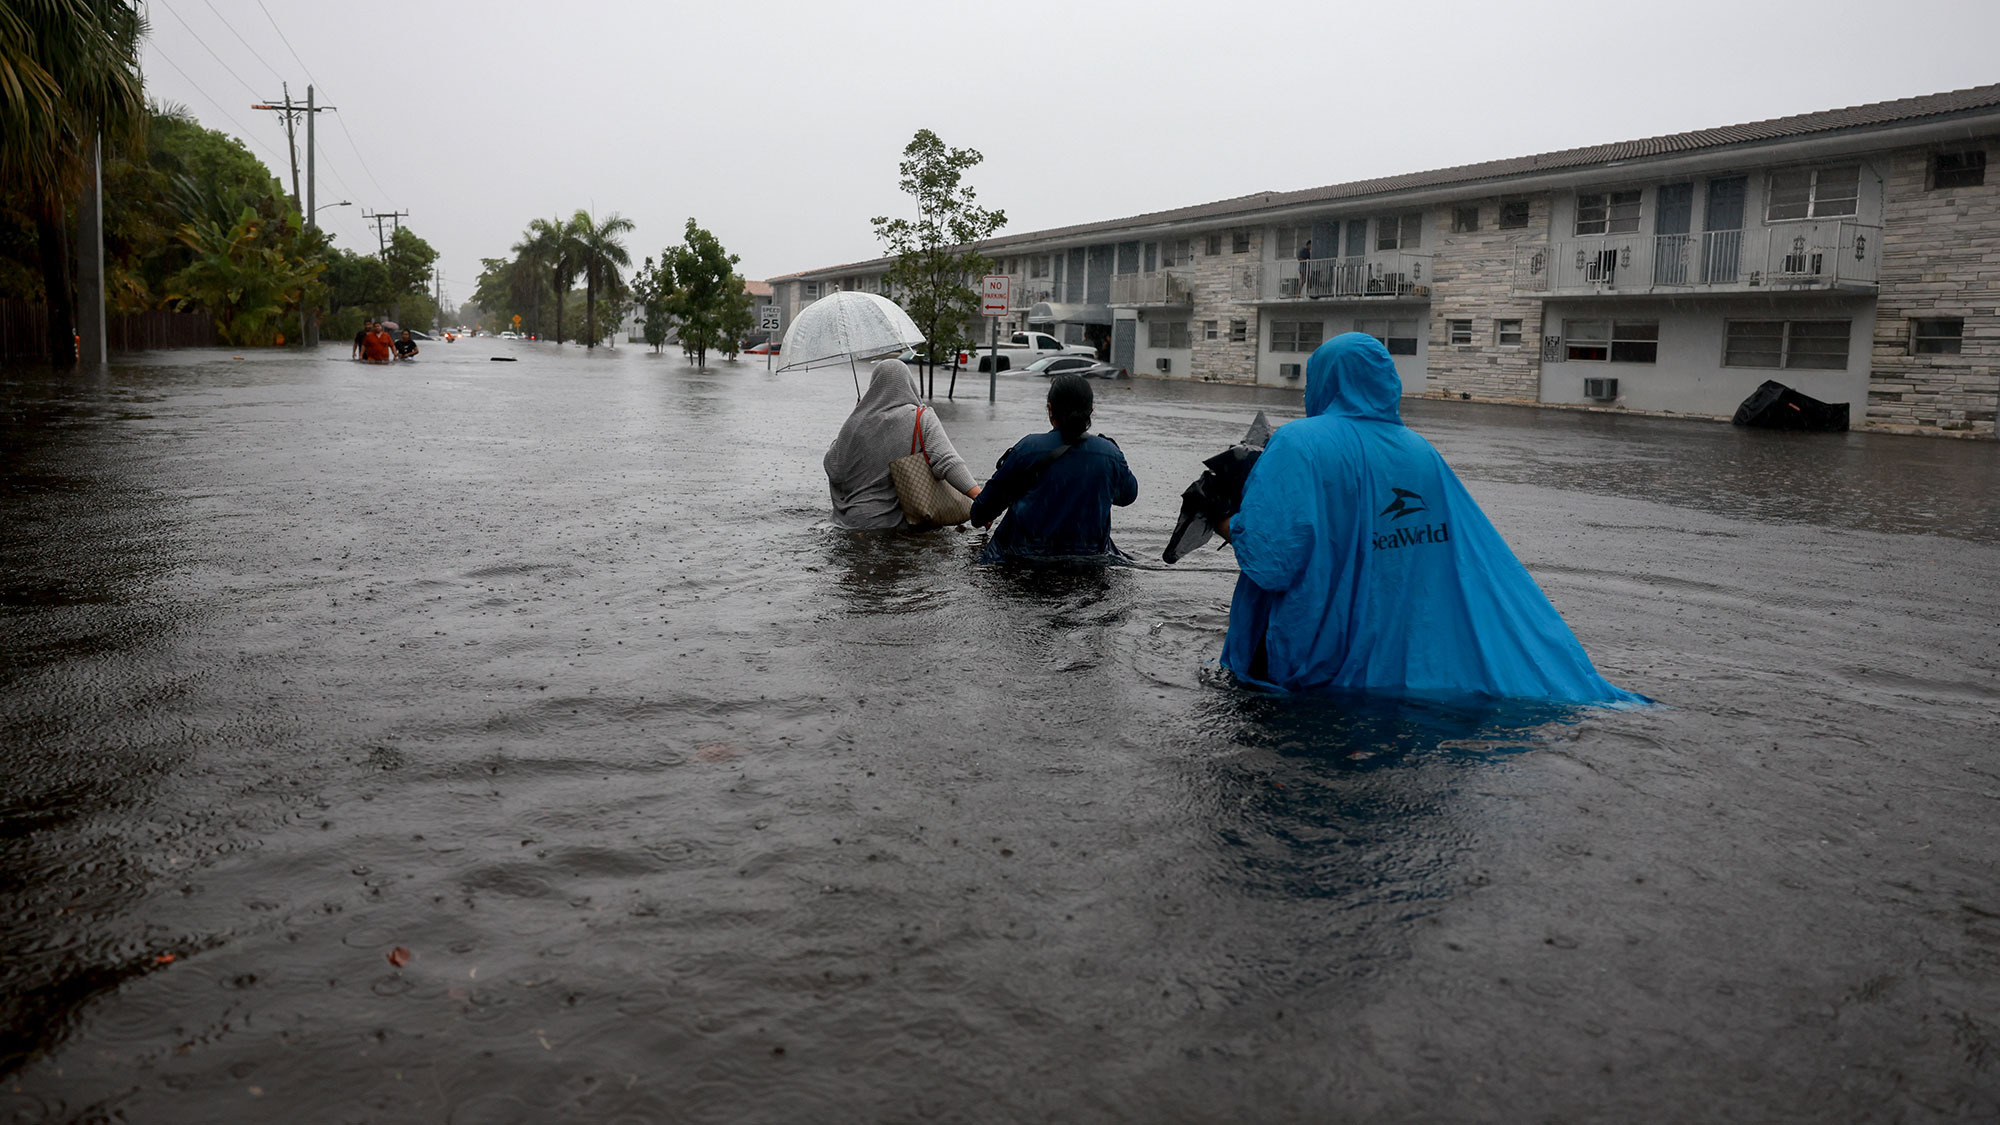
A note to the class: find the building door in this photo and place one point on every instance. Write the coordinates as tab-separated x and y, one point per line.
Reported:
1673	246
1722	240
1124	344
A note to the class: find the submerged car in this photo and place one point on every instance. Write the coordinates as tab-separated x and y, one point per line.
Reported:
1059	364
769	347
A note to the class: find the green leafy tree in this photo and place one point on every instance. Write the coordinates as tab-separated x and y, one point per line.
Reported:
408	260
249	277
706	289
69	71
602	256
738	317
509	287
935	265
652	288
553	246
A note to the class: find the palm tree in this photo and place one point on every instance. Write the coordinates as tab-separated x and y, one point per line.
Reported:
603	255
539	250
70	71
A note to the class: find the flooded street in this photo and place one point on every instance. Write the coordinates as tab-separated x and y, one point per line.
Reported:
688	806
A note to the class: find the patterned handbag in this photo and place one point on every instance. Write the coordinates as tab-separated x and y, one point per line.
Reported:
926	500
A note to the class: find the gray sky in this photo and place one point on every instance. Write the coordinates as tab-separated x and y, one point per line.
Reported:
779	125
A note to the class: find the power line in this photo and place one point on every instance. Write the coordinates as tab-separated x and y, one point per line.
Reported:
287	43
211	51
351	143
254	52
247	135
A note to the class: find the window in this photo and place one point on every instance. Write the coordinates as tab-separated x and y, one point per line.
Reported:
1038	266
1152	258
1513	213
1464	219
1128	257
1958	169
1179	252
1614	212
1459	331
1399	232
1214	245
1507	333
811	289
1357	238
1942	336
1208	329
1290	239
1296	335
1813	193
1615	341
1166	333
1399	336
1815	344
1239	242
1239	331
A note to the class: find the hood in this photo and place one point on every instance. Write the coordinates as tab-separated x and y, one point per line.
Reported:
1352	375
891	386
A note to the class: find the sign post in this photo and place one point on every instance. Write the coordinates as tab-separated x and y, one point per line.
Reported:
768	319
995	295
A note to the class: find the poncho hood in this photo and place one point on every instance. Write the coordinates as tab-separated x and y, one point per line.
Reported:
1352	376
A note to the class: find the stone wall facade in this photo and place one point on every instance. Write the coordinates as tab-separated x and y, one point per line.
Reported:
1217	285
1940	258
1472	278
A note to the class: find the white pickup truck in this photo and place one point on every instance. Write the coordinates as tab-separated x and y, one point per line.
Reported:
1024	348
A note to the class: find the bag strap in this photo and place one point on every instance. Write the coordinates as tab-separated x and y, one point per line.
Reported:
917	437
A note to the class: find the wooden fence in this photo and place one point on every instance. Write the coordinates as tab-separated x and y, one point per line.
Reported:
24	330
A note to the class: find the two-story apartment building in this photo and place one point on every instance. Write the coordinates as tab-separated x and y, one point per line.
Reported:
1853	254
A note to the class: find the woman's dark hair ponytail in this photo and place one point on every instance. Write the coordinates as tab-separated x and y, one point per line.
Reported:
1070	400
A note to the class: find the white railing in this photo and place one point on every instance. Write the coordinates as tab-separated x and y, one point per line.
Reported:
1824	255
1027	293
1388	273
1160	287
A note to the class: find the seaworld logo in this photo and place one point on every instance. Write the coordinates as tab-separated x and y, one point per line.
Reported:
1414	536
1407	503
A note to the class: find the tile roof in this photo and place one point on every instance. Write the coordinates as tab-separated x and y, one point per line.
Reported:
1901	111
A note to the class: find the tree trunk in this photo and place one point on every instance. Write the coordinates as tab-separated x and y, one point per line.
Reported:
59	289
555	283
590	310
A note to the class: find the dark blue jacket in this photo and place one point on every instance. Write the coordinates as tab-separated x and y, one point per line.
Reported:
1066	513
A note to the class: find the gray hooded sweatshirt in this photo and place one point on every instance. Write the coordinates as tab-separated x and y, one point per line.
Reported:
878	432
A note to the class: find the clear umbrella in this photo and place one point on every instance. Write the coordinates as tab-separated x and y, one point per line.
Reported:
847	328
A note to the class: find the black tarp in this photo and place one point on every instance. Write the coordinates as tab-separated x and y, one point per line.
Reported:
1774	406
1207	504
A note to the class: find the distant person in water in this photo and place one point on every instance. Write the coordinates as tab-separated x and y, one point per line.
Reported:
1057	488
1366	566
882	428
361	337
405	347
377	348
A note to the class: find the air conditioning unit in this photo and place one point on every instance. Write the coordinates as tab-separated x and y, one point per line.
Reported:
1602	389
1164	365
1291	370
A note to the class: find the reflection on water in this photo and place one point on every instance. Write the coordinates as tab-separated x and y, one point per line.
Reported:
690	805
1854	480
1351	798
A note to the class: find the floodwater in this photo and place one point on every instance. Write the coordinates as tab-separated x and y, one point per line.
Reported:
687	806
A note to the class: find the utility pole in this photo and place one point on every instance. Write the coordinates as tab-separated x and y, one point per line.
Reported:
292	111
391	216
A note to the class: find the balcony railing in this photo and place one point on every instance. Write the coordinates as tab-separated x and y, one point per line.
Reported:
1160	287
1028	292
1825	255
1387	274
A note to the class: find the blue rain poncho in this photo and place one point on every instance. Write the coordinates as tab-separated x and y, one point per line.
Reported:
1368	567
